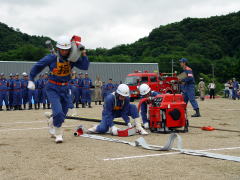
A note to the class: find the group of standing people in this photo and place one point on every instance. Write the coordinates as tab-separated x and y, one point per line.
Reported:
15	94
232	89
202	89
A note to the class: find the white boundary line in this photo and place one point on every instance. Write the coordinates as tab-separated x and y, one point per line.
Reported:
163	154
26	129
23	122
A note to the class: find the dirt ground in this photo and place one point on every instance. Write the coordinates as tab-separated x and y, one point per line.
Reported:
28	152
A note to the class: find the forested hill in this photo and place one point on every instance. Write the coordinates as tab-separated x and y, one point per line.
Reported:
18	46
207	42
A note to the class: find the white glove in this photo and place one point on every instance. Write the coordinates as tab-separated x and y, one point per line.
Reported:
75	53
129	125
31	85
114	130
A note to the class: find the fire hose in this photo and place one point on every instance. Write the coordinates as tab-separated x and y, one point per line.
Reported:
122	123
141	142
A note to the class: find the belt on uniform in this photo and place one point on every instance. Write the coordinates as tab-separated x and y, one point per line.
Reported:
58	83
3	89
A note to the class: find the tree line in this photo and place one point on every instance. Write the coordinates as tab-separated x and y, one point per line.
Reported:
212	46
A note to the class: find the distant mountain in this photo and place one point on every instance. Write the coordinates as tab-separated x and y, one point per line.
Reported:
212	46
18	46
209	44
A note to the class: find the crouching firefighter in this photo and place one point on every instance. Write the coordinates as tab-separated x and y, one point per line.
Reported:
60	64
117	104
145	92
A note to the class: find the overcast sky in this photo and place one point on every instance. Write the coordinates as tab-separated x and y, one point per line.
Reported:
105	23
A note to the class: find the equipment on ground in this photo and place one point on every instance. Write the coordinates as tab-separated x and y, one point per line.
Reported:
167	113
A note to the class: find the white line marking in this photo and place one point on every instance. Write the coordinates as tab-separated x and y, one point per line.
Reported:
163	154
228	109
26	129
22	122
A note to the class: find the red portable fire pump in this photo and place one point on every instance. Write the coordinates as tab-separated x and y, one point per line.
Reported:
167	113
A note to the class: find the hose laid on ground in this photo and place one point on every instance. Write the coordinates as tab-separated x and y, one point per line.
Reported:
122	123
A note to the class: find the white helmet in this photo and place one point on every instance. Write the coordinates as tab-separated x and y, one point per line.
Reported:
123	90
64	43
24	74
144	89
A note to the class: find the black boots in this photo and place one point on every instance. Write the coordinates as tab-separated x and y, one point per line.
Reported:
77	105
35	106
83	105
48	106
95	102
29	106
1	108
44	106
197	114
8	108
100	102
89	105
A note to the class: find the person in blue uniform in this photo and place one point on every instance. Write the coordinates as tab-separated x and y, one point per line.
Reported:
235	89
86	92
39	91
104	91
60	65
24	89
16	87
189	87
145	92
80	88
117	104
109	87
10	91
74	87
4	86
44	93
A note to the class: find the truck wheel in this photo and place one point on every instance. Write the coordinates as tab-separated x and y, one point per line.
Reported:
169	92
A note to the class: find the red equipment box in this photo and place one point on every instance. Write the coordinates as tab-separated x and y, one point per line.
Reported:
167	112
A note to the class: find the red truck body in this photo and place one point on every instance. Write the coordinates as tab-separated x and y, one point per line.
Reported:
159	82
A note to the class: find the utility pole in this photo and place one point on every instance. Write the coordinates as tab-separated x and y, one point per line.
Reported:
213	72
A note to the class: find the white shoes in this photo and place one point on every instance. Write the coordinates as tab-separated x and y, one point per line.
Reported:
114	130
58	134
51	129
139	128
55	132
146	125
93	129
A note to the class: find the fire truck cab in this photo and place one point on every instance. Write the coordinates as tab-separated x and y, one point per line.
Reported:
159	82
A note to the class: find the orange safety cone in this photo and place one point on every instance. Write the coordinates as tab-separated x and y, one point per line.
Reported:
208	128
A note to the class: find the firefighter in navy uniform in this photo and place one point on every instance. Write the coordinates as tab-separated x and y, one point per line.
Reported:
117	104
145	92
24	89
45	98
80	88
57	88
16	86
4	92
189	86
86	92
10	91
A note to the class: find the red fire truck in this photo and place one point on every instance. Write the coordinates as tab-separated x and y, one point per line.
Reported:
159	82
